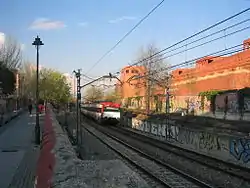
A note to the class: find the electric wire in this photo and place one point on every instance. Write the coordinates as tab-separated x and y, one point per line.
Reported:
194	35
193	61
198	33
125	36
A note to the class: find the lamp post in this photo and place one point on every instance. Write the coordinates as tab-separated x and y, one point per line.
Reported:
37	43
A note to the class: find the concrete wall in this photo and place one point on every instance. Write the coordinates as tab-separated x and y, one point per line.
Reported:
231	148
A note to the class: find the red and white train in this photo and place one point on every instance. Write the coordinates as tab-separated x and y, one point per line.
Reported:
103	111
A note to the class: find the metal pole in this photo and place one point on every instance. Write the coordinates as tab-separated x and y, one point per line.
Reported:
148	89
77	108
37	127
78	101
167	130
167	101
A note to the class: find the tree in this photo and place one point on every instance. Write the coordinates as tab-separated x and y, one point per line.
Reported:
93	94
10	60
7	80
28	79
53	87
112	95
155	76
11	53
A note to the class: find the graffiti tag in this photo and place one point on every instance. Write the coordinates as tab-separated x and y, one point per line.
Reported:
209	141
240	149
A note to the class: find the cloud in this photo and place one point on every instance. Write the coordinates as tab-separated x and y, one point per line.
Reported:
83	24
2	38
46	24
123	18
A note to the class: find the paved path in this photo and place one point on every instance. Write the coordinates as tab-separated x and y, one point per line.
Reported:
16	149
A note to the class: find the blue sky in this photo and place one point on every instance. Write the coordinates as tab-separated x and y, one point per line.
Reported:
83	30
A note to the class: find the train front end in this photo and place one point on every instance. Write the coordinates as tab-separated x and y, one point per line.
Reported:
111	113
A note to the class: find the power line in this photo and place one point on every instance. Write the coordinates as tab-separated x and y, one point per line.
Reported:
125	36
202	44
193	61
210	35
196	34
88	77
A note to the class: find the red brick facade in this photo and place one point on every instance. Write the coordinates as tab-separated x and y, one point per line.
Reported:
208	74
214	73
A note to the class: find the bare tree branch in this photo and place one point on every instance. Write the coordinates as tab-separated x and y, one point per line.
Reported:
11	54
153	77
93	93
27	75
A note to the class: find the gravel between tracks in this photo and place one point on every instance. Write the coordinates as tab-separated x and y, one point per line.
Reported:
115	171
99	151
219	179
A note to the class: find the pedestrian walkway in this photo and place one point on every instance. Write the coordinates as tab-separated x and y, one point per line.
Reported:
17	153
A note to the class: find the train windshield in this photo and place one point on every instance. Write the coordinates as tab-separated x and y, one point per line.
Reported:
110	109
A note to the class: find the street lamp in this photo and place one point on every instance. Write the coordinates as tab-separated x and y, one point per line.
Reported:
37	43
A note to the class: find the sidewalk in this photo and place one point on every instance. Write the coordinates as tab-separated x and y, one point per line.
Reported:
18	155
7	117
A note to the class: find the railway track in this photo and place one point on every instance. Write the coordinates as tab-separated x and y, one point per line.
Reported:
229	168
161	172
206	169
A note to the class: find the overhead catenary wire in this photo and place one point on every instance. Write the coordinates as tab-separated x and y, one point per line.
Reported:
198	33
192	36
218	54
126	35
229	27
212	34
202	44
193	61
84	75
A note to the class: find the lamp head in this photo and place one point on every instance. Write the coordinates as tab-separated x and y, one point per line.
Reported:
37	42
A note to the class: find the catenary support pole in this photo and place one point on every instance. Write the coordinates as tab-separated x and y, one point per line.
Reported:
78	102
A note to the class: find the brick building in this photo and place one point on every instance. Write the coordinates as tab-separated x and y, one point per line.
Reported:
211	74
131	85
208	74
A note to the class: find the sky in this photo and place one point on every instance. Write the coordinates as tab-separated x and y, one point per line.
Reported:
76	33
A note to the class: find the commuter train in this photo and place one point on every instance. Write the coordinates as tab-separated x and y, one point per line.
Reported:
102	112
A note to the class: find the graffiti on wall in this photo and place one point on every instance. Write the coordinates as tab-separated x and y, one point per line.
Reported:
198	140
219	146
247	104
192	103
203	140
172	133
232	102
240	149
